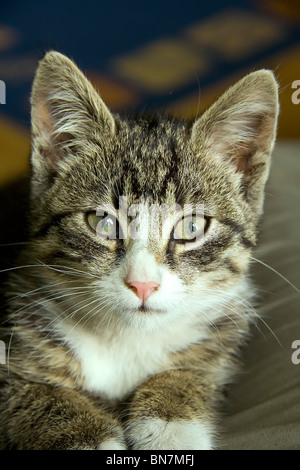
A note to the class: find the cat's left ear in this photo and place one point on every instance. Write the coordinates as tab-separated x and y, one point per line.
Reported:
239	131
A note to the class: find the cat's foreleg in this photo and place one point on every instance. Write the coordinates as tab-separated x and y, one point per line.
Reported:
36	416
171	411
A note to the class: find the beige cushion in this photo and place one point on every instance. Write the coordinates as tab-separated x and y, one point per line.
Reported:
263	410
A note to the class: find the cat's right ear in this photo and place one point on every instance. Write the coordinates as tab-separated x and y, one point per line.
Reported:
66	112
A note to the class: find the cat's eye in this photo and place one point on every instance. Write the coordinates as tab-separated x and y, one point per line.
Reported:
106	226
189	228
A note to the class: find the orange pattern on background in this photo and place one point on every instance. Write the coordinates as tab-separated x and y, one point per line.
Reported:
15	150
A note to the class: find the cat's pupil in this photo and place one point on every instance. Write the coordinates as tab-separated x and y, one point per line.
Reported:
193	227
107	223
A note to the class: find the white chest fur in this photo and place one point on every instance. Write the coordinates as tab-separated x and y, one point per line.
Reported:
114	365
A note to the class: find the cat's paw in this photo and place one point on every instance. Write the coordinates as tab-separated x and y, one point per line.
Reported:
157	434
111	441
107	444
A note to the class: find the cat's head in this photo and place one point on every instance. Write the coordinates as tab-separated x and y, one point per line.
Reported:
101	182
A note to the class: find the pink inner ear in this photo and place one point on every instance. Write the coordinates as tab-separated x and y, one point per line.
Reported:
258	138
51	151
241	164
43	118
241	157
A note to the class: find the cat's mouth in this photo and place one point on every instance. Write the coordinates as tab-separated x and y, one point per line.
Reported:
144	309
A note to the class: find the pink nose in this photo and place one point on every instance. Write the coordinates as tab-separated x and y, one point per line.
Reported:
143	290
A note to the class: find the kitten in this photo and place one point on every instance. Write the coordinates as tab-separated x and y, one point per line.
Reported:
118	338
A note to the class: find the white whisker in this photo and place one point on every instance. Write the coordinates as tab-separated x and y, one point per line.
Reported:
276	272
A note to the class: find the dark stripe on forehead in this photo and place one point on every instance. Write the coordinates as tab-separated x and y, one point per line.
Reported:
152	122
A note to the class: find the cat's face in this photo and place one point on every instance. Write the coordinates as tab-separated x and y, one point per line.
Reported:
151	220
